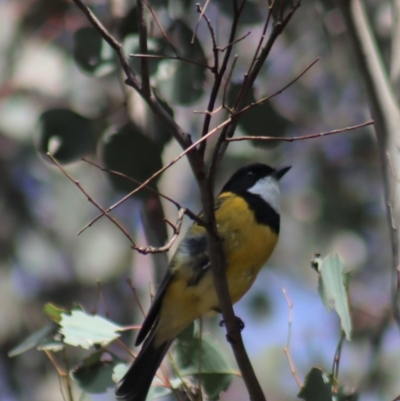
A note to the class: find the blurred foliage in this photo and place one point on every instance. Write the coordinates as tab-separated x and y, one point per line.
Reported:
61	89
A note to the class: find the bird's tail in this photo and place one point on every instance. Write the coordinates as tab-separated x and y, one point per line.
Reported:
135	385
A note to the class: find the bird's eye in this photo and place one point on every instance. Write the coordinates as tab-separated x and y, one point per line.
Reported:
250	174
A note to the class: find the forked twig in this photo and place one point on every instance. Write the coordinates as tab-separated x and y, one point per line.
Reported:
90	199
263	100
156	174
222	49
140	249
188	212
176	228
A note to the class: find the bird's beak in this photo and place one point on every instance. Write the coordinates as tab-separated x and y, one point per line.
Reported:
280	172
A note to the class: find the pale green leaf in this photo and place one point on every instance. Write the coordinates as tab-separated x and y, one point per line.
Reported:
332	289
81	329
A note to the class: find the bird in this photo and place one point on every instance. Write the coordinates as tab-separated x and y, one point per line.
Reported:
247	213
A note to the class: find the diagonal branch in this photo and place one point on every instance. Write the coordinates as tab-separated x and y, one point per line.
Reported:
385	111
248	84
132	80
299	138
156	174
188	212
218	76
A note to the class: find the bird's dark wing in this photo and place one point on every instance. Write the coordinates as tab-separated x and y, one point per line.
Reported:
135	385
152	315
191	260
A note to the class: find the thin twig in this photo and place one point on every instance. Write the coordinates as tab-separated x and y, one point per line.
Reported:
164	57
202	14
67	377
143	250
336	359
131	79
112	42
222	49
91	200
59	369
156	174
160	27
263	100
188	212
167	246
136	296
286	350
249	82
299	138
218	80
215	67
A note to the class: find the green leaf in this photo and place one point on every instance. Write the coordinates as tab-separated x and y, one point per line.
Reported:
81	329
94	376
35	339
119	371
92	53
51	345
129	24
53	312
132	153
332	290
65	134
203	358
179	81
317	387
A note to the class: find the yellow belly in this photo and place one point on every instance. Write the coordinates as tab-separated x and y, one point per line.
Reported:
247	247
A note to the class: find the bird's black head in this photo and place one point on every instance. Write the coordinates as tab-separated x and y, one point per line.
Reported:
247	177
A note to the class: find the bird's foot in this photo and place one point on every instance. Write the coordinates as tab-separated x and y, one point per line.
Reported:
238	320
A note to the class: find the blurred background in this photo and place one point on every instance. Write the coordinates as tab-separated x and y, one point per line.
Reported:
61	90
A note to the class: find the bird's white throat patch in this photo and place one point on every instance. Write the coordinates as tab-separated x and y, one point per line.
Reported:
268	189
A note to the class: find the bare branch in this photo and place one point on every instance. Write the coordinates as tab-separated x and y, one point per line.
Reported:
212	34
222	49
173	128
265	99
160	27
90	199
250	79
112	42
167	246
188	212
140	249
218	79
156	174
179	58
300	138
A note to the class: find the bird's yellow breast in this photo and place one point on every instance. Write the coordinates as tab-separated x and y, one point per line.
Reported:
247	246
